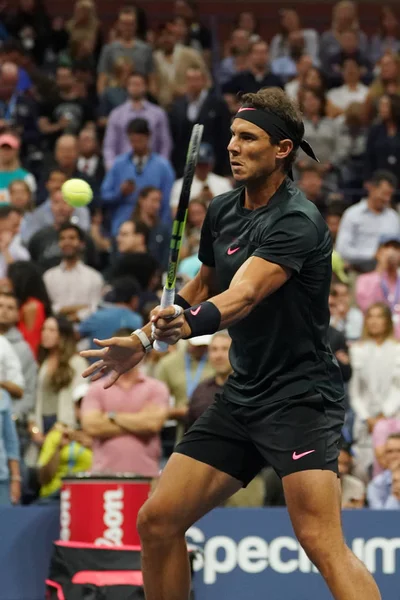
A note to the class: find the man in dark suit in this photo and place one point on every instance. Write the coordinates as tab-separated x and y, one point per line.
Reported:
258	74
90	161
200	105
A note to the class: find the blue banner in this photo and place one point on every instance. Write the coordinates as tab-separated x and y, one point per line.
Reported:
251	554
245	554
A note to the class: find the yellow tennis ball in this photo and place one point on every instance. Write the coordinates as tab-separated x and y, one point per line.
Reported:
77	192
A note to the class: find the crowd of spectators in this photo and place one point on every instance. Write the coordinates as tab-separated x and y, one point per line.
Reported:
115	106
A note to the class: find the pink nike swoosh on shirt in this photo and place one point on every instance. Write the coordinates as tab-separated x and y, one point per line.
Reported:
297	456
195	312
232	250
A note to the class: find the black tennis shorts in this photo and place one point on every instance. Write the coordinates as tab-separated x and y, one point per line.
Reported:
291	435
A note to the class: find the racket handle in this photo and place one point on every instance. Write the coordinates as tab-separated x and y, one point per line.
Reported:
167	299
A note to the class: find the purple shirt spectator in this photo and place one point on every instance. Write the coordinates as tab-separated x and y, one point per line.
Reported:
116	141
380	434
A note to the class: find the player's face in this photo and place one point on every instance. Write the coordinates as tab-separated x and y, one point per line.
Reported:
251	154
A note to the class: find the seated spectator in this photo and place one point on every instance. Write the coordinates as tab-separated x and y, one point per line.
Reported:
147	211
132	237
127	45
258	74
246	20
10	166
67	113
85	27
321	132
236	61
383	142
383	451
10	474
197	211
116	139
171	61
339	347
387	82
384	489
204	180
60	374
116	92
11	248
352	89
303	64
204	394
54	211
17	110
285	66
21	196
311	183
353	488
344	317
333	216
374	386
26	283
350	155
143	267
65	451
200	104
349	50
387	38
364	224
199	36
314	80
119	311
125	423
75	290
344	17
31	25
66	160
182	371
9	317
90	161
132	172
289	24
382	284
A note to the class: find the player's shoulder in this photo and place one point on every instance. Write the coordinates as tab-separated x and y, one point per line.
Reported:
225	200
297	203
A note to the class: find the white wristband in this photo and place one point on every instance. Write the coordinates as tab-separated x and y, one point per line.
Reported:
146	343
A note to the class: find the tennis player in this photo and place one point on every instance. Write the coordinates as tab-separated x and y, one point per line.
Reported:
265	275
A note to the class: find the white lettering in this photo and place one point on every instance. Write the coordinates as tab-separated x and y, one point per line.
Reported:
275	559
113	518
212	564
65	515
252	554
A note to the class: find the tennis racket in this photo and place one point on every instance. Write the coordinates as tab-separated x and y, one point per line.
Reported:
178	227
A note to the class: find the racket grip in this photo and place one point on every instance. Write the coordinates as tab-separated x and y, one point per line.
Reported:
167	299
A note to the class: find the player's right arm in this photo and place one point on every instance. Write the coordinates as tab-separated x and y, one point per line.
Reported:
120	354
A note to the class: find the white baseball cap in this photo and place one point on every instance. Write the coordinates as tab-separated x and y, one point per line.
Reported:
201	340
80	391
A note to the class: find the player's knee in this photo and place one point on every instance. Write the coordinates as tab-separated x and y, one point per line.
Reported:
153	523
315	544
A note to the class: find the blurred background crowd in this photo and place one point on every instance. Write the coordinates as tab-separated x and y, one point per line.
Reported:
113	103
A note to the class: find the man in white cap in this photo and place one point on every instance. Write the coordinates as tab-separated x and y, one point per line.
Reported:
182	371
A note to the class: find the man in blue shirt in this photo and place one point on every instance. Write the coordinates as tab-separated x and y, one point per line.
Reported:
384	489
133	171
119	311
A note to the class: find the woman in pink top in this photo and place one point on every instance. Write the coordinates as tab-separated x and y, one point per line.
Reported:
383	284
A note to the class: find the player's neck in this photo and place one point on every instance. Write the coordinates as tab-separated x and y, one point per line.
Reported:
260	193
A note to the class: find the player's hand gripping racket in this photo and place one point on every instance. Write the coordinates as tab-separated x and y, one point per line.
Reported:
178	227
